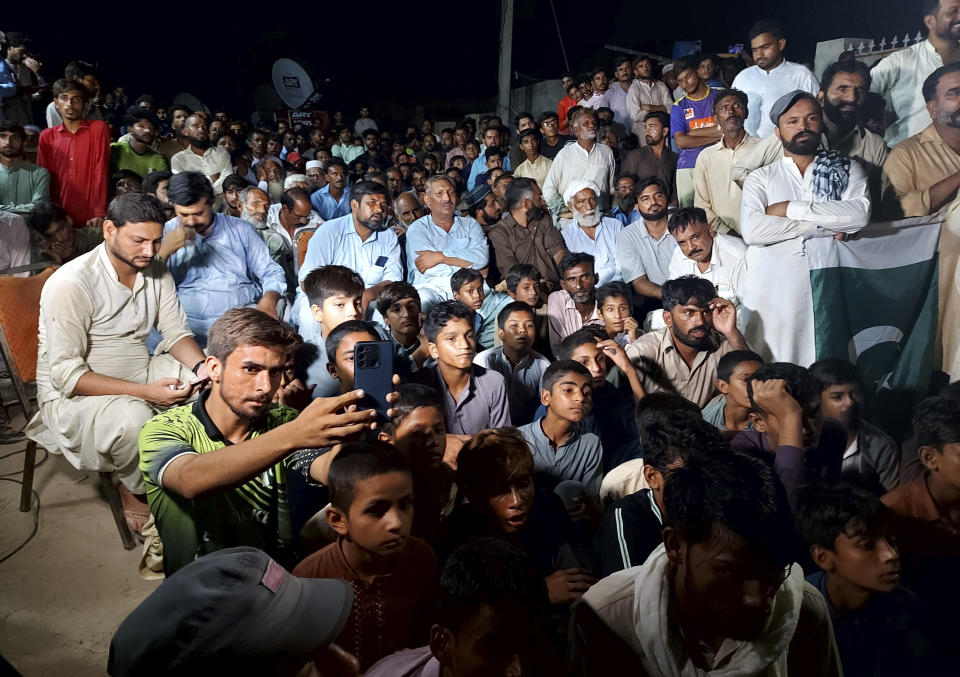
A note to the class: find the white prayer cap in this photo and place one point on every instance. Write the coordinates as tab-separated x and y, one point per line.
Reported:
576	186
314	164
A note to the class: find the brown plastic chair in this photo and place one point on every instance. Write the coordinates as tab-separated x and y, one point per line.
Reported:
303	239
19	341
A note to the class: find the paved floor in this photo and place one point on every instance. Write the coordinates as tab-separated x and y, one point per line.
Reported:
64	594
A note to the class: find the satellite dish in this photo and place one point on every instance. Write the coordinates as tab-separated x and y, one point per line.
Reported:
190	101
291	82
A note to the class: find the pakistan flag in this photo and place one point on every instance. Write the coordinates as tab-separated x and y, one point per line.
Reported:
875	303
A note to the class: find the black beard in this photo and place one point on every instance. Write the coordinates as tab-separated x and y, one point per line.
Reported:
202	144
652	216
804	143
703	343
372	224
534	214
840	117
625	203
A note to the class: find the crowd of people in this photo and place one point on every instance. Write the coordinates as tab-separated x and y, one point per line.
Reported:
610	442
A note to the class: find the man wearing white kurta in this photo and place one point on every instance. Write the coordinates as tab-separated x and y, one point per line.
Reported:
96	382
441	243
586	159
590	232
702	252
804	195
899	76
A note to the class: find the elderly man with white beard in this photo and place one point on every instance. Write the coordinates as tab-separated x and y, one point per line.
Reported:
270	176
591	232
585	159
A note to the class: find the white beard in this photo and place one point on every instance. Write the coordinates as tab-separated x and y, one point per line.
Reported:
255	221
587	219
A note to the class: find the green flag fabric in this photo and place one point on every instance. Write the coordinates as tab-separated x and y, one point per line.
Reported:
875	303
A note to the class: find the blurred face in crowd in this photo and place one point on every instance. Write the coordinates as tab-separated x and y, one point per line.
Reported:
945	24
143	131
844	98
11	145
584	208
735	390
198	216
580	282
216	127
644	69
842	403
258	143
197	131
696	242
585	126
623	73
531	146
600	82
550	127
767	50
179	119
127	184
418	179
408	209
298	216
441	199
371	211
623	194
519	331
421	436
730	115
800	128
70	104
707	69
591	357
689	80
232	196
255	206
652	203
272	170
430	164
337	177
394	180
228	143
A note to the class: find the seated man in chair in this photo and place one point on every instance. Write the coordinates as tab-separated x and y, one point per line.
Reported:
96	382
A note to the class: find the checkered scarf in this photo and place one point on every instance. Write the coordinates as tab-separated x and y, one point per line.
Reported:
831	174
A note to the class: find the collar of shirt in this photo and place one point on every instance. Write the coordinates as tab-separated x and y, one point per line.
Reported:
667	346
687	96
570	304
746	139
931	135
467	392
548	443
104	260
646	233
84	124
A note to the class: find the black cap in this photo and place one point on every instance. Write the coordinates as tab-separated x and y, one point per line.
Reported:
234	607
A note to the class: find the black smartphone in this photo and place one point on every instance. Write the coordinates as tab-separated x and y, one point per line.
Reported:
373	373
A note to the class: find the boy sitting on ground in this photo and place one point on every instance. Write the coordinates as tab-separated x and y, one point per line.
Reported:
613	302
474	398
399	305
393	574
521	366
334	294
871	456
730	410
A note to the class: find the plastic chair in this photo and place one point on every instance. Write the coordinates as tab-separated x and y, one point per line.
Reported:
303	239
19	341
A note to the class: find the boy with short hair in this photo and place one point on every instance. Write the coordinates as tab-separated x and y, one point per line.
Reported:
523	284
418	430
613	304
468	287
393	574
562	450
616	391
399	306
496	475
870	455
631	527
730	410
788	427
334	294
339	346
879	625
521	366
489	615
474	397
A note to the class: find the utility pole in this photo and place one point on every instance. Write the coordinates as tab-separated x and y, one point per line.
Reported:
506	51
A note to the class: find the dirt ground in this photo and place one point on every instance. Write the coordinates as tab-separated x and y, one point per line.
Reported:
65	593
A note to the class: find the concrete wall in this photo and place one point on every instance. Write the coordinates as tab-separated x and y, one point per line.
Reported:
535	98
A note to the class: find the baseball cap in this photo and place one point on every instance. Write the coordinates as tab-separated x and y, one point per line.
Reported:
232	609
786	102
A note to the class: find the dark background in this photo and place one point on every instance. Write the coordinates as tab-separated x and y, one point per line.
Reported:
398	55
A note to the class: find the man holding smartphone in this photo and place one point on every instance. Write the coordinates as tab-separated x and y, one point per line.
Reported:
216	470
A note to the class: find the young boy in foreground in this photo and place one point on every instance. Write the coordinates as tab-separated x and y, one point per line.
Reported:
879	626
613	303
393	574
399	305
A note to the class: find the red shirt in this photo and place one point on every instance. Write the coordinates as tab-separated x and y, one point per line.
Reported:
566	103
78	165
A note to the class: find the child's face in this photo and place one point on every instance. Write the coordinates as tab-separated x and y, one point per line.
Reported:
340	365
403	316
591	357
842	403
518	332
422	436
868	562
381	514
570	399
512	508
335	311
456	344
943	463
736	389
526	292
614	311
471	294
812	424
496	640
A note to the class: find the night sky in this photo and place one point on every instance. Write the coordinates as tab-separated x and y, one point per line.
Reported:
432	51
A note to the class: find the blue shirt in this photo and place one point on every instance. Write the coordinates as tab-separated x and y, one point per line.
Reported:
624	218
229	267
464	241
329	208
479	167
